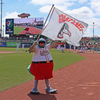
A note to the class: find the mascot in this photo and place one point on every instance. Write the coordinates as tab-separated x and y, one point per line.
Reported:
42	64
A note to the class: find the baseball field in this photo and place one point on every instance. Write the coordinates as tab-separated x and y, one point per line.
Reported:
13	65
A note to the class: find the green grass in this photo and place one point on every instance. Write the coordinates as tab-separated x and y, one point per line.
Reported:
18	30
64	59
11	49
13	67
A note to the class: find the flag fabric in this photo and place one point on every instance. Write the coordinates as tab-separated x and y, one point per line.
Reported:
62	26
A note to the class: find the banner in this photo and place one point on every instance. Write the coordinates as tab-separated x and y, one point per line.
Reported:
3	44
9	26
12	44
64	27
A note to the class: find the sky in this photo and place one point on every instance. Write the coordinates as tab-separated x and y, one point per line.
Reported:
87	11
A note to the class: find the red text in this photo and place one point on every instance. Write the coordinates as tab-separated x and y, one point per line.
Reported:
63	18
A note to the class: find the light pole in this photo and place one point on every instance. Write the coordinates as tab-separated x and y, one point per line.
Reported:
93	30
93	37
1	17
3	30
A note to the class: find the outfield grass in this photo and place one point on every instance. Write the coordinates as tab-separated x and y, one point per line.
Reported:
11	49
13	67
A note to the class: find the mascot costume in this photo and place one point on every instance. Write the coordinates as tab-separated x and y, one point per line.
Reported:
42	64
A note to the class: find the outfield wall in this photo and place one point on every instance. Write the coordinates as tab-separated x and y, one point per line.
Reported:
13	44
3	44
26	44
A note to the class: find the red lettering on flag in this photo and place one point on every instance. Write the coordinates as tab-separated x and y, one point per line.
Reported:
63	18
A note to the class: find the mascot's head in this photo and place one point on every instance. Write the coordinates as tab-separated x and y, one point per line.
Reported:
41	42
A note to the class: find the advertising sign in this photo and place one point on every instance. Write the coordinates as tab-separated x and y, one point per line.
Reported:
9	26
12	44
3	44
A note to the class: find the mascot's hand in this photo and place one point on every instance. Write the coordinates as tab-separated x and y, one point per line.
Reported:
53	43
32	48
35	43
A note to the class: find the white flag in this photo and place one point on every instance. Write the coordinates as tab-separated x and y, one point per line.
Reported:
65	28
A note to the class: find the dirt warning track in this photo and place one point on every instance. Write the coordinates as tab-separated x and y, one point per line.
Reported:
3	52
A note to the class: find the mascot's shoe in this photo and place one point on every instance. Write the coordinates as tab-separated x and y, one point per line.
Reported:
35	92
50	90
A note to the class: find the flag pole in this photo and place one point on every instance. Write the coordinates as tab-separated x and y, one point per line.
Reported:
46	20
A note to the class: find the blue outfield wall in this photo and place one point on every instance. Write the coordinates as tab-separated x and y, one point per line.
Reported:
3	44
